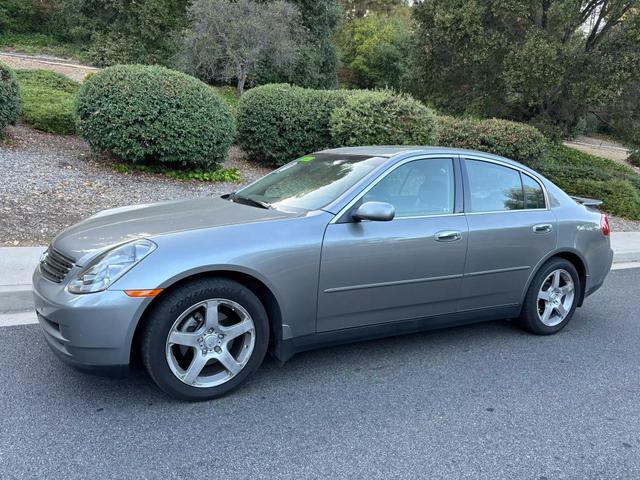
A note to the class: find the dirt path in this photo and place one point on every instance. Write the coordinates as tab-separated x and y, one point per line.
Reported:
19	61
602	148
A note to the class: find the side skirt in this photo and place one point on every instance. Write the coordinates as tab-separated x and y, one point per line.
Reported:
289	347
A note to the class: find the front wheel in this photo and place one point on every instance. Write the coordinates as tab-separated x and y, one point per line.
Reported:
552	298
205	338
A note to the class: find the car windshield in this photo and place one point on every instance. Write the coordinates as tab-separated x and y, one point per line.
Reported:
310	182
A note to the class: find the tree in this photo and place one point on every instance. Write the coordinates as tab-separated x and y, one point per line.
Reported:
360	8
374	49
544	61
317	63
229	39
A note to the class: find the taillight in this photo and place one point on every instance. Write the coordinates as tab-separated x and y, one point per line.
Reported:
604	224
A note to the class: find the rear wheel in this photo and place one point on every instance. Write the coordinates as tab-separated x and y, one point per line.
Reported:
552	298
205	338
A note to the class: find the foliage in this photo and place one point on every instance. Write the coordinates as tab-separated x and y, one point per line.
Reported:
382	118
9	96
544	61
586	175
360	8
279	122
23	16
513	140
226	175
48	101
122	31
634	157
228	39
151	114
374	49
228	95
317	61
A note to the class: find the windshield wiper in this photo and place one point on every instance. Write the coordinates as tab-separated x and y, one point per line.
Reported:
249	201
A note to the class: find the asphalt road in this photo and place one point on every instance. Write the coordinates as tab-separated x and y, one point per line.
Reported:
484	401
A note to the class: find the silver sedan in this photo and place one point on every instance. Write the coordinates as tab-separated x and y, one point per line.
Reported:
338	246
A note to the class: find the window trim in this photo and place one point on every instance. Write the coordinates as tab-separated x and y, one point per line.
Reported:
458	189
467	192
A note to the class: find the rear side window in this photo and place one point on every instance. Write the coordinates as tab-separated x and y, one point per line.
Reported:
533	194
493	188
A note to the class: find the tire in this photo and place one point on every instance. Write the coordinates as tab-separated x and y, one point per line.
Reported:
535	310
204	338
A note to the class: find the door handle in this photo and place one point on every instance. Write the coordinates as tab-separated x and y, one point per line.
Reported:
542	228
448	236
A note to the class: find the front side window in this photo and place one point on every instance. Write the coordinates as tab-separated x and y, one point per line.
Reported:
417	188
493	188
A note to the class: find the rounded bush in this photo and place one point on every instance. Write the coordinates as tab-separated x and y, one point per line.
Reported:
383	118
279	122
9	96
513	140
151	114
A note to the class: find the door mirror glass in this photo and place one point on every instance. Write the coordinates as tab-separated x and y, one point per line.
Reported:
375	211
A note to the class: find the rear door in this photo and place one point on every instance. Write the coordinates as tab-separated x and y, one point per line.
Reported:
375	272
511	229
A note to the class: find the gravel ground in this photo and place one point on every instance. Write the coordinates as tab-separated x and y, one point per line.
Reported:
49	182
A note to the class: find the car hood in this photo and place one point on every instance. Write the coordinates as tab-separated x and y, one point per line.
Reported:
118	225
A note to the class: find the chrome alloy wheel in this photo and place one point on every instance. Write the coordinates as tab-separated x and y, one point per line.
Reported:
556	297
210	343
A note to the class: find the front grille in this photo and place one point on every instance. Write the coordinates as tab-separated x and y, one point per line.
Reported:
55	266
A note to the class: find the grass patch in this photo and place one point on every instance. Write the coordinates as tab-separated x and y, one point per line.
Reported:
40	44
228	94
230	175
581	174
48	101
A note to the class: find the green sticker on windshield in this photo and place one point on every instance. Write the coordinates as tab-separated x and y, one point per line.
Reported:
306	158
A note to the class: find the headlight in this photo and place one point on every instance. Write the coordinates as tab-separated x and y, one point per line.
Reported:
108	267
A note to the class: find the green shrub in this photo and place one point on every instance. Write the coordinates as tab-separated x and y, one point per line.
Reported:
634	157
382	118
279	122
152	114
48	101
581	174
9	96
513	140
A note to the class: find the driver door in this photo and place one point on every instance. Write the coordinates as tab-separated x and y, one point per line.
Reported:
411	267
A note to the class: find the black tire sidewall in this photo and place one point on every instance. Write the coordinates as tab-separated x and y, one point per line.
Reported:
529	317
171	306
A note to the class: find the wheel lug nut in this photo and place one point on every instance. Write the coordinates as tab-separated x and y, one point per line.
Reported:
217	349
211	330
221	336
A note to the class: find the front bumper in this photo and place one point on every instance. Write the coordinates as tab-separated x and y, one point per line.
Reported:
91	332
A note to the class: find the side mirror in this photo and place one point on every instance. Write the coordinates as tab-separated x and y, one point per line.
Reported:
375	211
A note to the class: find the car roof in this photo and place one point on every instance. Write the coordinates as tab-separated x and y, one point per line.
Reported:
389	151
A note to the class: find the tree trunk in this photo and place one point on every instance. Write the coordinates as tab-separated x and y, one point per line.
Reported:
242	78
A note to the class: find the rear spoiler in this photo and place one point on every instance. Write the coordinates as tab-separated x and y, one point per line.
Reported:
587	202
